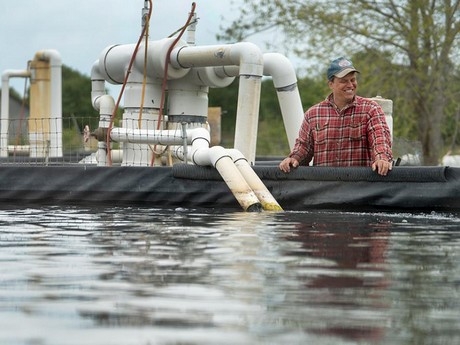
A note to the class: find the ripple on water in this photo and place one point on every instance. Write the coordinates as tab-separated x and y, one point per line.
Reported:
73	275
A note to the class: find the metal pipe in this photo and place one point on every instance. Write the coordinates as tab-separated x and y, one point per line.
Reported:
56	101
55	63
5	109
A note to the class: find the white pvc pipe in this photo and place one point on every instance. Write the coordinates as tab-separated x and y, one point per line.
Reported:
250	61
5	109
285	82
114	73
227	71
147	136
186	98
247	116
99	97
200	154
244	54
106	105
222	161
114	61
207	76
217	156
284	79
267	200
197	152
22	150
387	107
97	85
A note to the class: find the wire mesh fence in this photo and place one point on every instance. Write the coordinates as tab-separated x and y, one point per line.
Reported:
46	140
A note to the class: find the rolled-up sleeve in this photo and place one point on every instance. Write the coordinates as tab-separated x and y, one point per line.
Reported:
303	149
379	135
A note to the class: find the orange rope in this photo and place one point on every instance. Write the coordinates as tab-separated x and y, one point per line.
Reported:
131	62
144	80
165	75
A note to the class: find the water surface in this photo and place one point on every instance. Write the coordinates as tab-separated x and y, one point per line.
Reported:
131	275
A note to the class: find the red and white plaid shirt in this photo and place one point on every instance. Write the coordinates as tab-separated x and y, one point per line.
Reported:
357	135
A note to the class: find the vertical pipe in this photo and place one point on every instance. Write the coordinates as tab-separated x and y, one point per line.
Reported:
191	31
56	103
46	104
247	116
284	78
4	115
97	85
285	81
250	60
387	107
106	105
40	106
5	109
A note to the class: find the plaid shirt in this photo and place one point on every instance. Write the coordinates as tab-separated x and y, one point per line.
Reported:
357	135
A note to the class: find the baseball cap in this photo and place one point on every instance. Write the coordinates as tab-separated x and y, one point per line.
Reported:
340	68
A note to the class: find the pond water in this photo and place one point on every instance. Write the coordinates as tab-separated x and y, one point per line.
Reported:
134	275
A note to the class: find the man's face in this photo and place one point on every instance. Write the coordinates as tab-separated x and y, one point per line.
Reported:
344	89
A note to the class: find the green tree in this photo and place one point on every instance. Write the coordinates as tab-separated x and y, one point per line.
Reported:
272	140
77	109
227	99
415	42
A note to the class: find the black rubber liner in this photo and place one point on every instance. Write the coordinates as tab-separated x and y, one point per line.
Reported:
398	174
409	188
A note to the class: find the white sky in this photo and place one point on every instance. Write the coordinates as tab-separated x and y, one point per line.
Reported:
80	30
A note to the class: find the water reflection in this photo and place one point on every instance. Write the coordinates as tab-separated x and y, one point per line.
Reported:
73	275
345	275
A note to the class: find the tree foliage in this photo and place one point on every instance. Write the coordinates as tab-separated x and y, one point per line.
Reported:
272	140
76	99
407	49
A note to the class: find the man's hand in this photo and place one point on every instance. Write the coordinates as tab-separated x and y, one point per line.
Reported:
382	167
286	164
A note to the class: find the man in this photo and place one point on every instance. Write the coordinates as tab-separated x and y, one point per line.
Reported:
344	129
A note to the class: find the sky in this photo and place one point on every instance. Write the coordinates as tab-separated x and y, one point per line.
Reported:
80	30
